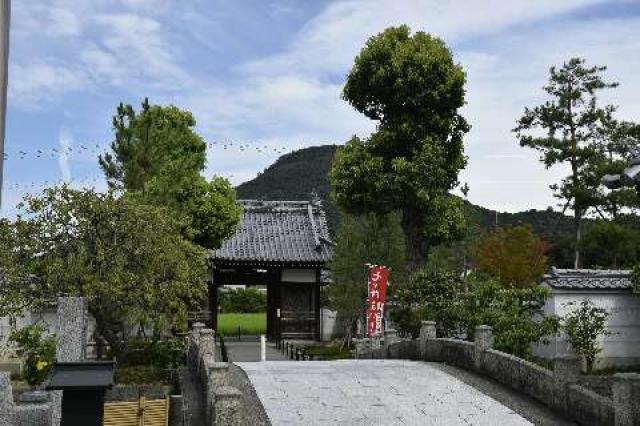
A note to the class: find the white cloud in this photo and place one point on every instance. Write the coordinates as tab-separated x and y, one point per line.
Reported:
85	47
38	82
291	98
296	92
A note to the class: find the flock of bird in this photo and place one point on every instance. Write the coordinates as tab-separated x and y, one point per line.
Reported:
83	150
98	149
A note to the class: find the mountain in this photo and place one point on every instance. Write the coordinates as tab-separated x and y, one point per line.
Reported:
299	174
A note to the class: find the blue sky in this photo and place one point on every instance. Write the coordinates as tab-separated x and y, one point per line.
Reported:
269	74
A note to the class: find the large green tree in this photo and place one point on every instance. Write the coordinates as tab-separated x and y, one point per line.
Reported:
364	239
573	121
130	261
157	157
410	85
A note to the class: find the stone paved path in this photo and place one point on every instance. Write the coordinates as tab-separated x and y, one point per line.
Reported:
248	350
371	392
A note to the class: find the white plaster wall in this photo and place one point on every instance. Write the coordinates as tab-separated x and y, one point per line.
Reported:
621	348
298	275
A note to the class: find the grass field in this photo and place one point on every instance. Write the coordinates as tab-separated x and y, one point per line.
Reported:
250	324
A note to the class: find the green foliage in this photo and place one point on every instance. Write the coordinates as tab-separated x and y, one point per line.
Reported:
431	295
515	257
140	374
157	158
296	176
362	240
249	300
584	326
581	135
458	307
162	358
328	352
635	277
607	244
410	85
37	351
511	313
129	261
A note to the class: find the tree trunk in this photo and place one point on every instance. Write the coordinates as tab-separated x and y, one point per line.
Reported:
112	331
417	246
577	218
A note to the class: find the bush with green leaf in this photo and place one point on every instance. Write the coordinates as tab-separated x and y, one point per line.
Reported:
459	306
515	314
243	301
431	295
37	350
584	326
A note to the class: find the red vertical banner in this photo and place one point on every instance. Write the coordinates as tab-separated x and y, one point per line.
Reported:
378	278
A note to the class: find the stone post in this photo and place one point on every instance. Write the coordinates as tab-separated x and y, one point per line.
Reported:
207	347
193	348
390	337
566	370
427	331
70	341
217	378
626	397
483	341
72	328
360	345
227	407
196	327
6	399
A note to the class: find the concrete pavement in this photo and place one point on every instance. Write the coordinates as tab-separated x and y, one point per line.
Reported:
371	392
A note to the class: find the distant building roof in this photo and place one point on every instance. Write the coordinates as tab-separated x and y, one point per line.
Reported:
589	279
272	233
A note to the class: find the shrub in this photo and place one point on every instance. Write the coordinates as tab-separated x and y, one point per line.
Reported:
510	312
38	352
583	326
164	356
246	301
430	295
459	306
139	374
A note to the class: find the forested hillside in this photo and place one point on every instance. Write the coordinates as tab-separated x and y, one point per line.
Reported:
299	174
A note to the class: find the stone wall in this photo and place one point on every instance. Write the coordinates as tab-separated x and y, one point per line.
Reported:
223	403
563	389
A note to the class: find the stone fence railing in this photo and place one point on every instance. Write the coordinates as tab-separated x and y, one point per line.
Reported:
222	401
557	389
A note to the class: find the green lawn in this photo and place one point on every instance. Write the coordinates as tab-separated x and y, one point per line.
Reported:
250	324
328	352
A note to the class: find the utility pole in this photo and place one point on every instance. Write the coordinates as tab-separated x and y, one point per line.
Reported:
5	22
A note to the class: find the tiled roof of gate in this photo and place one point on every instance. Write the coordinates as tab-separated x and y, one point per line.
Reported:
278	232
589	279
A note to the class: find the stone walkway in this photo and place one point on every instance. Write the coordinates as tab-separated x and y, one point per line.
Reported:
372	392
248	350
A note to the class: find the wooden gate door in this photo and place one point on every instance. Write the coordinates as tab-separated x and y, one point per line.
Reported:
143	412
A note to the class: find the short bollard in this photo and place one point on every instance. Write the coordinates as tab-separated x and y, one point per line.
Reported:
263	348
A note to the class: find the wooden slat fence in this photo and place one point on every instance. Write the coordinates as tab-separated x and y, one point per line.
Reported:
143	412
